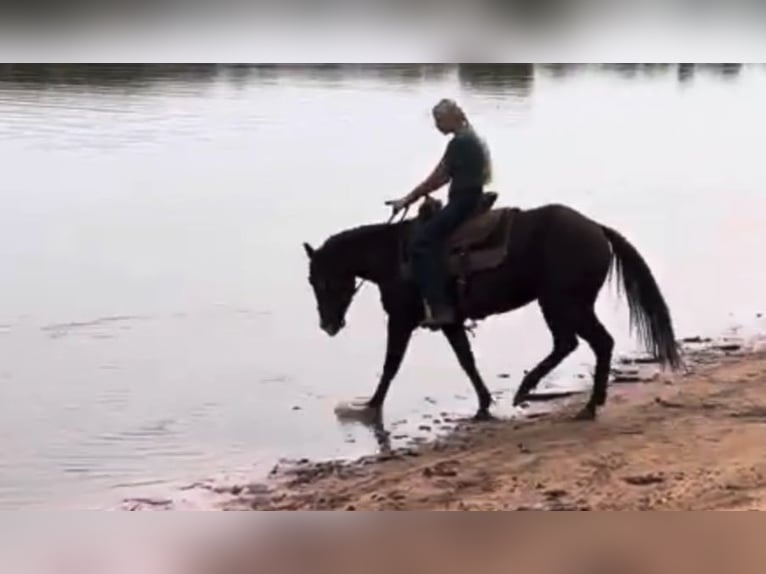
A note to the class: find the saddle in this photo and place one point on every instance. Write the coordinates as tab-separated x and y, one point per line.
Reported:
481	242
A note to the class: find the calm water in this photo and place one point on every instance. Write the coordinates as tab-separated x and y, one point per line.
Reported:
155	320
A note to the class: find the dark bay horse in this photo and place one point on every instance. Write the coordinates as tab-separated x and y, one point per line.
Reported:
556	256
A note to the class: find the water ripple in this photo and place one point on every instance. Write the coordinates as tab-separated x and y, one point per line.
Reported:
58	330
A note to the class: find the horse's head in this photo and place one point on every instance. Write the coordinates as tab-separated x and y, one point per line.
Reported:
333	288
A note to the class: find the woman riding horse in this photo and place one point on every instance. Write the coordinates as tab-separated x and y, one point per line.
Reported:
466	166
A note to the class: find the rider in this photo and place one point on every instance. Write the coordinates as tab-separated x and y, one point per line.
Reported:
466	166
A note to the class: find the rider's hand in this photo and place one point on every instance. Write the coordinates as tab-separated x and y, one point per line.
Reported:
398	204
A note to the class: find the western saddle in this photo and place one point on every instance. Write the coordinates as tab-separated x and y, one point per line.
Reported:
479	243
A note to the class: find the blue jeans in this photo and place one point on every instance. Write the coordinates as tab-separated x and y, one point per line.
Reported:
428	246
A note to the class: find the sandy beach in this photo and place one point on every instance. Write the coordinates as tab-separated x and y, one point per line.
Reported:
689	441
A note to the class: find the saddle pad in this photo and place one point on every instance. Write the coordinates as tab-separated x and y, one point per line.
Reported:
488	246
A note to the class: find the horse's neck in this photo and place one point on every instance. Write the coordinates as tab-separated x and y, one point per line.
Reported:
371	251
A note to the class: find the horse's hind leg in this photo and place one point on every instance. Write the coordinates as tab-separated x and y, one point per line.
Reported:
562	320
458	340
602	343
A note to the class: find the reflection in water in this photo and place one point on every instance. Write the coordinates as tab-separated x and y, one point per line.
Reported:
685	72
724	70
146	75
401	73
561	70
625	70
104	74
633	70
515	79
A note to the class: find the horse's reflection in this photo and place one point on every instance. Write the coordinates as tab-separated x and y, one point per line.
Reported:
372	419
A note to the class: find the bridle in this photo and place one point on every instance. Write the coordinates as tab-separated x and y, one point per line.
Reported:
363	281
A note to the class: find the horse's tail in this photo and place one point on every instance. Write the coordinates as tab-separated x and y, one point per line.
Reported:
649	314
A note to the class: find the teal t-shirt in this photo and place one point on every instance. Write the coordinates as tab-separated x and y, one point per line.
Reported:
466	162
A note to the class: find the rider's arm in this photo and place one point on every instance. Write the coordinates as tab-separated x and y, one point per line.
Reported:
438	178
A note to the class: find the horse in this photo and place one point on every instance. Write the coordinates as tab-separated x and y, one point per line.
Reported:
501	259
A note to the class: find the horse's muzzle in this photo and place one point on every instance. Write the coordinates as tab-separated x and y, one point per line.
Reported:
333	329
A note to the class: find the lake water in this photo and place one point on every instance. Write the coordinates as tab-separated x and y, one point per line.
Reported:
156	324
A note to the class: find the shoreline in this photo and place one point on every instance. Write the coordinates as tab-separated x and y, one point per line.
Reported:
650	449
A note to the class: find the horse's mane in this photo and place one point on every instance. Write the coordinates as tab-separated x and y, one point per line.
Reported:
361	234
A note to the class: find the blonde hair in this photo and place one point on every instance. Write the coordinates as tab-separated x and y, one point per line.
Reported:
448	106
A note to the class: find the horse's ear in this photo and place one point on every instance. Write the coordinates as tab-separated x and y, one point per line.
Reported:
309	250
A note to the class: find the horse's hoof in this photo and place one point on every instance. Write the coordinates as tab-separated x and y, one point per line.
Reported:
520	400
361	411
588	413
483	415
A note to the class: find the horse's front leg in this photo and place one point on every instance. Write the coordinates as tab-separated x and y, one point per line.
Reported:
458	340
399	336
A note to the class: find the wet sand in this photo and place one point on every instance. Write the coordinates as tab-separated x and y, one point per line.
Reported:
687	441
